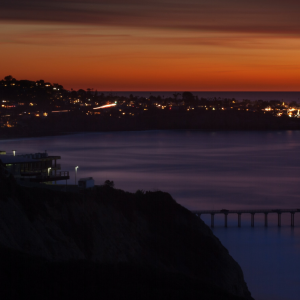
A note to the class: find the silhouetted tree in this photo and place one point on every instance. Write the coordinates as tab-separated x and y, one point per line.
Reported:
176	95
188	97
109	183
9	78
293	104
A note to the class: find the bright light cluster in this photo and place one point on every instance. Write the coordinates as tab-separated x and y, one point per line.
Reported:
105	106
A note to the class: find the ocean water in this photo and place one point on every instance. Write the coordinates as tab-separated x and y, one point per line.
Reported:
267	96
204	170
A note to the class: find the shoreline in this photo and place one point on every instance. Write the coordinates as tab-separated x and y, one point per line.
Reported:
47	134
192	121
12	137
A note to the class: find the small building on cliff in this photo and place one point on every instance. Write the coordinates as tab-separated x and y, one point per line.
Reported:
85	183
37	167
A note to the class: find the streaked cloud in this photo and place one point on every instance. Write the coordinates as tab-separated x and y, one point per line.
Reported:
59	35
153	44
257	16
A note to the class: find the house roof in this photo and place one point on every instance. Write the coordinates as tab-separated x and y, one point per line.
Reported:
10	159
18	159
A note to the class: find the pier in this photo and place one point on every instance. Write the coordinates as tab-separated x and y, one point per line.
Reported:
239	213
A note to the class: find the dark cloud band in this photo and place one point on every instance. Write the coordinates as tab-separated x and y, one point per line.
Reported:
256	16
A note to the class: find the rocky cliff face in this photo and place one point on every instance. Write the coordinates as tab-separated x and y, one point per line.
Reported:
111	226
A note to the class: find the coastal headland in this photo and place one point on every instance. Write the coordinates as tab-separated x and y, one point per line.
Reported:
106	242
39	108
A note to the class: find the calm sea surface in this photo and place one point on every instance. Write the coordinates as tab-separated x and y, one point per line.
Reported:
281	96
204	170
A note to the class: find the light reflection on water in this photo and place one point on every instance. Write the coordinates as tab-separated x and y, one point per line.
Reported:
204	170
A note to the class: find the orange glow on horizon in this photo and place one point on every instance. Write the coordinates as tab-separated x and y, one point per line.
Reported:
116	59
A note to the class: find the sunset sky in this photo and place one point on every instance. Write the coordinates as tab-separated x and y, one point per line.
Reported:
153	45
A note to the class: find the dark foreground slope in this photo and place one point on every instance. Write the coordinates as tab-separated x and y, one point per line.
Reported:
111	244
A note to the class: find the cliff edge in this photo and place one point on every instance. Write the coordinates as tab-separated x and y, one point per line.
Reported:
143	243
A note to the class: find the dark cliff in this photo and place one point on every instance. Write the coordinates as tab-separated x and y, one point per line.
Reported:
110	243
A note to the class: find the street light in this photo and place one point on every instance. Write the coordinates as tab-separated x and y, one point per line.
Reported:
14	152
49	171
76	173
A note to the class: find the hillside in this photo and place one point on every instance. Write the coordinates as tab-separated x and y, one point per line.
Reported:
151	120
107	242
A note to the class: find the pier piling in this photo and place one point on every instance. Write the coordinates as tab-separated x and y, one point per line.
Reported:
239	219
239	212
225	220
279	219
292	219
252	219
266	219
